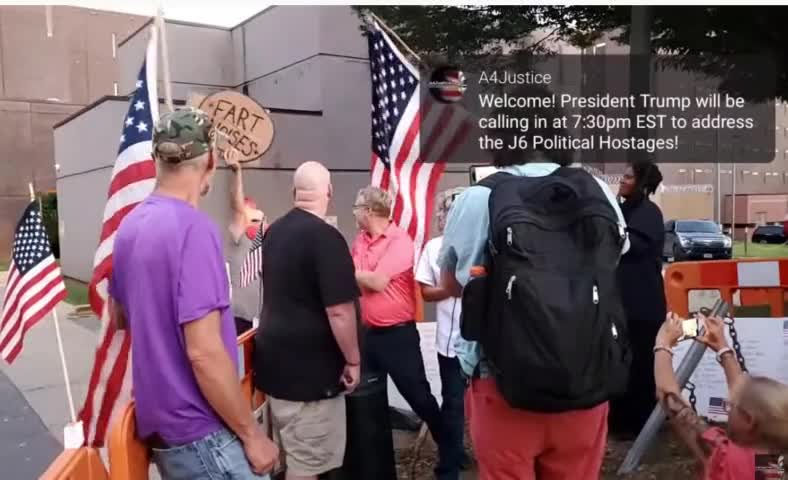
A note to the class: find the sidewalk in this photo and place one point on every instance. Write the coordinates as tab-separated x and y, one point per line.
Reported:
38	375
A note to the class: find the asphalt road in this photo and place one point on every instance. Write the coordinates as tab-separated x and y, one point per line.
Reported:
26	445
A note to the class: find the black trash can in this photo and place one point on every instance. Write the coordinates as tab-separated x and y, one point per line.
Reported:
369	453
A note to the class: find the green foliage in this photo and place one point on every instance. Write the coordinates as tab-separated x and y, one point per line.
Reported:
759	251
445	33
701	38
77	292
50	220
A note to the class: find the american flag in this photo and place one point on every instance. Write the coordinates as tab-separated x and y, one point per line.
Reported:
403	162
717	406
253	262
133	179
35	285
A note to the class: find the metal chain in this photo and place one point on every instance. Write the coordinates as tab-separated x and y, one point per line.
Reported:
730	322
692	399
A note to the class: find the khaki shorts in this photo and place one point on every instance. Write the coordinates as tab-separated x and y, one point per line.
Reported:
312	434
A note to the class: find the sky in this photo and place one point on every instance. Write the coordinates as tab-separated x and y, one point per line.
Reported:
222	13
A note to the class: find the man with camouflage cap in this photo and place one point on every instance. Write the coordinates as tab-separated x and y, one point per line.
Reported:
169	287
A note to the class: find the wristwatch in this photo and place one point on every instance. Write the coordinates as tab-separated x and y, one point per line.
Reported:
722	352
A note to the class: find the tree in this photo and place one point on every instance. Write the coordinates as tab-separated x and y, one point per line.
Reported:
720	41
447	33
707	39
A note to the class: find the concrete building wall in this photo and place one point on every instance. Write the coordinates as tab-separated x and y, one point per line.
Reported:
44	78
83	181
187	45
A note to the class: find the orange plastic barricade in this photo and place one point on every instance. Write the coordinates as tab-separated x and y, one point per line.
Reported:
759	282
77	464
129	458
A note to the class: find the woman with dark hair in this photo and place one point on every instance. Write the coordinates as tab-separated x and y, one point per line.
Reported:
642	292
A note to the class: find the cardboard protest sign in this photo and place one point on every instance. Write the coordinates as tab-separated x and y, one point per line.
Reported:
241	123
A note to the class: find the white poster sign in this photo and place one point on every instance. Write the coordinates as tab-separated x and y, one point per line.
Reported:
764	345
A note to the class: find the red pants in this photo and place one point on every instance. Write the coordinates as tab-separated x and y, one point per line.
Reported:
512	444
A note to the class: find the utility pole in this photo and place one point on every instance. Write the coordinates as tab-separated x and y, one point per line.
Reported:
640	66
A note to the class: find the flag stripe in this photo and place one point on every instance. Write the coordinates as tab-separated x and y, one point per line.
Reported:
26	287
113	387
133	179
129	175
33	291
33	312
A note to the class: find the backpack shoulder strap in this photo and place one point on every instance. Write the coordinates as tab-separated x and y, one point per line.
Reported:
491	181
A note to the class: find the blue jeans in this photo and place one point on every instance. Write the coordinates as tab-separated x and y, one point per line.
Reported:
219	455
452	416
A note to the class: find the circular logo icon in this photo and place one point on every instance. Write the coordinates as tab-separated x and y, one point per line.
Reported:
447	84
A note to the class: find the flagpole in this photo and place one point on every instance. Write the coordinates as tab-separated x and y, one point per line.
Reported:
165	58
395	36
58	335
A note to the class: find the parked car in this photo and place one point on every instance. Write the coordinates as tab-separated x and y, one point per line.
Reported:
769	234
695	240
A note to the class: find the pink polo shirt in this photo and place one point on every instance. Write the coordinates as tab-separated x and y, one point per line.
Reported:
727	461
391	254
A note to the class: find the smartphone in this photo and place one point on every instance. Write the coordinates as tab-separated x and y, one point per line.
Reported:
690	327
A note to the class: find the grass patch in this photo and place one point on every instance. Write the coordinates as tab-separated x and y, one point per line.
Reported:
77	292
4	265
755	250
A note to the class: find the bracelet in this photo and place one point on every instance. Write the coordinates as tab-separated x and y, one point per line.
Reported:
722	352
658	348
352	364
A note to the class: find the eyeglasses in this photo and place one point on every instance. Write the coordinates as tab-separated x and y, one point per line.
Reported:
360	205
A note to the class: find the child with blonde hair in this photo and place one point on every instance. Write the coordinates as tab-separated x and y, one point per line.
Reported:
757	432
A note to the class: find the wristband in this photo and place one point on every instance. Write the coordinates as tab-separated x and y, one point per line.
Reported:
722	352
352	364
657	348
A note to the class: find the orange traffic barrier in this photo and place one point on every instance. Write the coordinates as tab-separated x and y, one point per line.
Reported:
741	283
76	464
129	458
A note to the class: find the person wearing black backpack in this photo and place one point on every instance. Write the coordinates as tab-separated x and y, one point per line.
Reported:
543	331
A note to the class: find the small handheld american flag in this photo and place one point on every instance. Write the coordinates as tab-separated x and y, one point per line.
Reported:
35	285
253	263
717	406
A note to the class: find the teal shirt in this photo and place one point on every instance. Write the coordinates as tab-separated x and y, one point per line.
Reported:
465	242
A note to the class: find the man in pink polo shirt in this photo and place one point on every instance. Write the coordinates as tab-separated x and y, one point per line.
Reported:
383	255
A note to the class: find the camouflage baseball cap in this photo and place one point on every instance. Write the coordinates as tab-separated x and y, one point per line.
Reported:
181	135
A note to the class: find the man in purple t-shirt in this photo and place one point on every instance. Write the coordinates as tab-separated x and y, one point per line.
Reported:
169	287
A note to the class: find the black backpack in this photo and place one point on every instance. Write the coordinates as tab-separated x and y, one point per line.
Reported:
548	313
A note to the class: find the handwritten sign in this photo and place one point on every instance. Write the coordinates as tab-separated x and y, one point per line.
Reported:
241	123
764	345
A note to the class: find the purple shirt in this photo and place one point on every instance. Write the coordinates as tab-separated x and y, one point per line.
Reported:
168	270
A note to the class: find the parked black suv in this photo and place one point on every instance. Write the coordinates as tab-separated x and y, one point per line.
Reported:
695	240
769	234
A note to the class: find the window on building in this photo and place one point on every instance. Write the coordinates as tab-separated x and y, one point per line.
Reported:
114	46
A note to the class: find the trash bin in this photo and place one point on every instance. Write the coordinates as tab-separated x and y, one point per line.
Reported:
369	453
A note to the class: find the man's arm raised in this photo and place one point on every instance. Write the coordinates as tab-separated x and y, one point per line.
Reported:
237	206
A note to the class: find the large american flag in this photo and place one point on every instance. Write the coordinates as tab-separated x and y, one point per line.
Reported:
253	262
34	287
133	179
404	162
